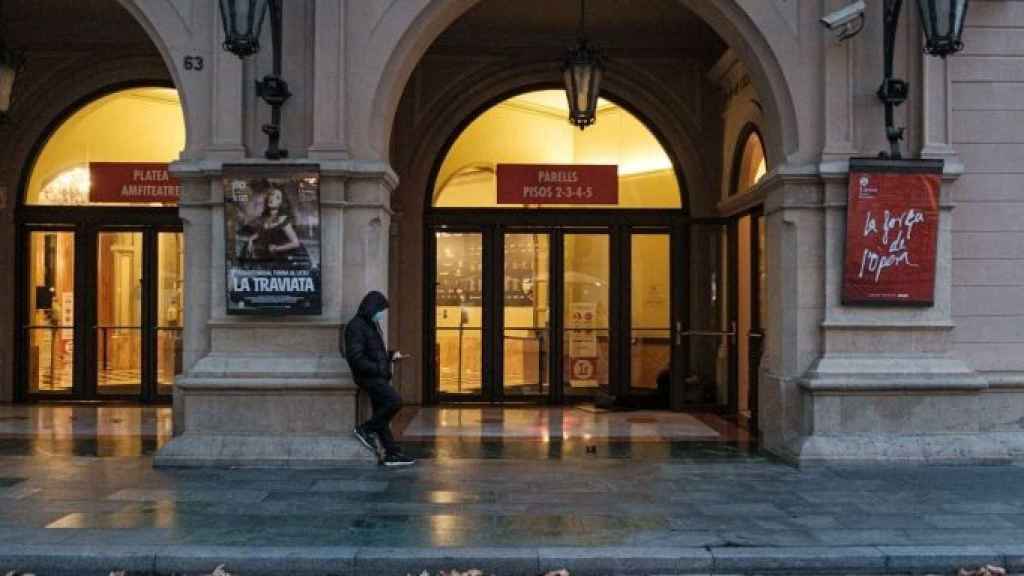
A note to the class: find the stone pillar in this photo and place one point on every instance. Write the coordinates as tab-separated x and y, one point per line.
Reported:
367	222
794	259
271	391
330	101
888	385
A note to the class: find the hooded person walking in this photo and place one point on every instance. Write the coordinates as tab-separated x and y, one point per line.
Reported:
370	362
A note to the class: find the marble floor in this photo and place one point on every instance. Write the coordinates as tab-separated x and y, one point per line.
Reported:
545	423
571	432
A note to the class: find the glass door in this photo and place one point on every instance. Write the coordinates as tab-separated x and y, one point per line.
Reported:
650	319
586	314
119	298
458	314
525	332
705	332
170	308
50	320
104	312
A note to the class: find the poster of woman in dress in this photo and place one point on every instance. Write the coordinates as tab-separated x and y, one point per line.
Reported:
272	235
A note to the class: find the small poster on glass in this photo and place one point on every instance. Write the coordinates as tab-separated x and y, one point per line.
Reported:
272	239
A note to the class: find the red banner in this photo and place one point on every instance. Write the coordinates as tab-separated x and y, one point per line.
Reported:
892	224
558	184
132	183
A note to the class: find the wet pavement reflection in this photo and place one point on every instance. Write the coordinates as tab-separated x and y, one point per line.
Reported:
425	433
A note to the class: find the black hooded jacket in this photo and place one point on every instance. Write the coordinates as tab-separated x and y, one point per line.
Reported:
364	343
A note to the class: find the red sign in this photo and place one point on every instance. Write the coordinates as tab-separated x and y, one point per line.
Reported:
132	183
892	224
558	184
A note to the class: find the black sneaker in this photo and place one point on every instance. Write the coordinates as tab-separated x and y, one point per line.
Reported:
366	439
397	459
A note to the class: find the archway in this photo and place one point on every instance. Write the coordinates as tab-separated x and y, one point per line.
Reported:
586	264
102	274
90	51
674	93
414	33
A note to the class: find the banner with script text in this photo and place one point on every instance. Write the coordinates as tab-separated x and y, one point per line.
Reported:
892	224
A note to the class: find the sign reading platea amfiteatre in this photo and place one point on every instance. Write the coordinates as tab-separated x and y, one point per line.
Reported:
892	224
132	183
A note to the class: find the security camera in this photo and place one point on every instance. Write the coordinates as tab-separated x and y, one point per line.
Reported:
848	20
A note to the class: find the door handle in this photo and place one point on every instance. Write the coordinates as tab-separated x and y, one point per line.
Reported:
680	332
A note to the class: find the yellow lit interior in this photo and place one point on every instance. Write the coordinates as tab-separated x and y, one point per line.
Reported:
135	125
752	164
532	128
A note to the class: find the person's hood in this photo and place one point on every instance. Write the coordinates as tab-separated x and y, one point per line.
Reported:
372	303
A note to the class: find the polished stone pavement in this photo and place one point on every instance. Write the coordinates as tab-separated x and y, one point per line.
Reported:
82	493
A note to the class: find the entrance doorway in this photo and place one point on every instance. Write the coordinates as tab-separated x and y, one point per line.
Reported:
556	313
101	259
103	311
557	303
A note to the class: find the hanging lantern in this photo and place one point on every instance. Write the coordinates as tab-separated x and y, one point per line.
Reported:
582	73
242	30
943	23
9	64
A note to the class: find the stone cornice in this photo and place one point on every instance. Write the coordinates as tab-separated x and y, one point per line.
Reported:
347	169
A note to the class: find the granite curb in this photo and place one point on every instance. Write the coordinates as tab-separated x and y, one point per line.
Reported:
100	560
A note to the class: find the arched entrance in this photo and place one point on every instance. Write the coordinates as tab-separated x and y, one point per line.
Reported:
692	71
101	253
570	295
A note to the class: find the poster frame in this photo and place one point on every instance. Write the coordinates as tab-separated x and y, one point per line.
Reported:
314	303
887	167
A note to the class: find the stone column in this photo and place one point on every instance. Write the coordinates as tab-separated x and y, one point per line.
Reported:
263	391
888	384
794	259
330	101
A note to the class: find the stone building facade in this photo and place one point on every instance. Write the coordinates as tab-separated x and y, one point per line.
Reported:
382	88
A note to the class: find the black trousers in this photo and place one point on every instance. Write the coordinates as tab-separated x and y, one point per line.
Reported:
386	402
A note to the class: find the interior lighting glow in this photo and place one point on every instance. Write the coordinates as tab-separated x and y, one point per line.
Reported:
69	187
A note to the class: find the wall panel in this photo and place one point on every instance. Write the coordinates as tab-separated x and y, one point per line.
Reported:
987	97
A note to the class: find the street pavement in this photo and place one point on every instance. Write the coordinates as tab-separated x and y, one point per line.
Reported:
92	503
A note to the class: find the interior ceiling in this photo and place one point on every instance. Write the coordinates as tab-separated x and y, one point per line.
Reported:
70	25
655	28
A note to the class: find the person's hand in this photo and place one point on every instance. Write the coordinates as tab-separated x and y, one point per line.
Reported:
396	356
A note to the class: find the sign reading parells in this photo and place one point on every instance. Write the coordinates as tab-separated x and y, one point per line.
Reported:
558	184
892	224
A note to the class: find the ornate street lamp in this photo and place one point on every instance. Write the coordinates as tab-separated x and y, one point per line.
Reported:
943	23
242	38
581	72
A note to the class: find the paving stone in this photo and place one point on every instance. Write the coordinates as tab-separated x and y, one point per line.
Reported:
920	559
862	537
79	560
511	561
257	561
646	560
827	559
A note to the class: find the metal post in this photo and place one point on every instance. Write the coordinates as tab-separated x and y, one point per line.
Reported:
272	88
893	91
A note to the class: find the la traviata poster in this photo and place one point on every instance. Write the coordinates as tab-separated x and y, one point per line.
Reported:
272	238
892	224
